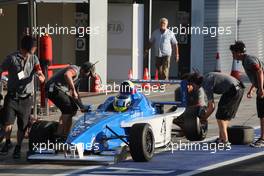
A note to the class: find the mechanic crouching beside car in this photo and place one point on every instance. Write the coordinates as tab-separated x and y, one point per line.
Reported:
22	66
195	102
62	90
232	92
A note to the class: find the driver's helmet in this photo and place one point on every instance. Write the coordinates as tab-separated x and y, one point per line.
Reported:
127	88
122	102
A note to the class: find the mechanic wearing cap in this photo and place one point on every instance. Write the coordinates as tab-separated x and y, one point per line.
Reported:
22	66
164	42
232	92
62	90
254	70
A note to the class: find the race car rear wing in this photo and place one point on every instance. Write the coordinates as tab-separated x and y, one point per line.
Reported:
156	81
183	87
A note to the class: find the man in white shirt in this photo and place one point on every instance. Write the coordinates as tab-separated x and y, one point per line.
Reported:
164	43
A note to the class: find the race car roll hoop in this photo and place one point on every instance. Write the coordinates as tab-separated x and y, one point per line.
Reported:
105	135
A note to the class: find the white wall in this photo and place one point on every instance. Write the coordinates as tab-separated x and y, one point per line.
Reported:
98	42
120	29
125	41
138	41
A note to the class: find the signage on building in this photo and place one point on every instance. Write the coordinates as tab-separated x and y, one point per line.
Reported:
80	44
81	19
182	38
115	27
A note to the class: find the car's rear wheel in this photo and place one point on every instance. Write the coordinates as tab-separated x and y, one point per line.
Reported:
193	129
141	142
240	135
42	132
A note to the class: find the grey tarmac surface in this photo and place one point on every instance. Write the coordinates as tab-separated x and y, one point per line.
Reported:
251	167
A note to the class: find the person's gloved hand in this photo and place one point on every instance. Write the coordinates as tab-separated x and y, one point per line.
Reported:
87	108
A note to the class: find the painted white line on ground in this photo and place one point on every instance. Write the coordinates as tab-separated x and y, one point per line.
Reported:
126	171
78	170
214	166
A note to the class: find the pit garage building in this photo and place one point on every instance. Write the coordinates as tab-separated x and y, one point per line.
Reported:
125	25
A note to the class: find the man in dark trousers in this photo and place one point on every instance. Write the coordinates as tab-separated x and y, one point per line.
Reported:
22	66
232	92
62	90
254	70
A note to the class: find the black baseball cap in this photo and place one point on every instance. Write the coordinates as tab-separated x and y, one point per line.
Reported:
239	46
88	67
195	78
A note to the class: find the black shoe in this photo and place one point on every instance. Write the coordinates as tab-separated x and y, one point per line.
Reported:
5	149
17	152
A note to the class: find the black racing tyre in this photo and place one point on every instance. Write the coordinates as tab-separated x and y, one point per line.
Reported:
41	132
141	142
240	135
193	129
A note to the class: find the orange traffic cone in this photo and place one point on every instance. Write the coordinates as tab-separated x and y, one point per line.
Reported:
218	64
157	78
130	75
235	72
146	77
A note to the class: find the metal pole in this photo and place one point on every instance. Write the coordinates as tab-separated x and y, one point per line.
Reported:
32	13
150	22
46	98
237	22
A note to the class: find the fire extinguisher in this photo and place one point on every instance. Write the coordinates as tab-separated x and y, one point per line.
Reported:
45	49
45	54
95	83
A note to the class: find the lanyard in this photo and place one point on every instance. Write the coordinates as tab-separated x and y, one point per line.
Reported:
24	63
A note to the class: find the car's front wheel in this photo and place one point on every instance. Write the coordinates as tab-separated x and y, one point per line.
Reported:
141	142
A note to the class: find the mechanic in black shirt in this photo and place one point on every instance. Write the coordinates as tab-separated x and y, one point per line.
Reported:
62	90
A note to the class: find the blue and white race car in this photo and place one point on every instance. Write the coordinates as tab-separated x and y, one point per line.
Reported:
128	122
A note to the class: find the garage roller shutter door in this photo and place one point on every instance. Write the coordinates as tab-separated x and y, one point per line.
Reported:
251	26
219	14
